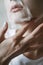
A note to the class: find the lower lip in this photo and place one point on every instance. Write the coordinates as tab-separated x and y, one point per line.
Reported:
16	10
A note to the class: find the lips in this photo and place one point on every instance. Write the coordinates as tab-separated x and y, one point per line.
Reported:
16	8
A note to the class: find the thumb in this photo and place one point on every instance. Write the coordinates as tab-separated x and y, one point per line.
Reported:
4	29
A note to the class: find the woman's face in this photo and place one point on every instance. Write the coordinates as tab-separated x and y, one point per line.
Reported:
17	10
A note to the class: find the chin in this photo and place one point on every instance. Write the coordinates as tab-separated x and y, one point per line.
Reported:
19	16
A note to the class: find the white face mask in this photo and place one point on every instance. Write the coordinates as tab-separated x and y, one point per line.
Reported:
18	16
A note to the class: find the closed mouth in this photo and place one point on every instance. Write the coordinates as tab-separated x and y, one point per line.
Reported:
16	8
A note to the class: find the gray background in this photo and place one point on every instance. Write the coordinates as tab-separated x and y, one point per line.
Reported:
3	16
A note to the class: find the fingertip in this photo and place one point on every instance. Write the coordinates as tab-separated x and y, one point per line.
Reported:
5	27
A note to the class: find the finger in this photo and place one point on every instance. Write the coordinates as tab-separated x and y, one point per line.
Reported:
36	46
34	33
37	30
30	38
4	29
39	42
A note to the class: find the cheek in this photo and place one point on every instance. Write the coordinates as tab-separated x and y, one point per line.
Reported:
26	2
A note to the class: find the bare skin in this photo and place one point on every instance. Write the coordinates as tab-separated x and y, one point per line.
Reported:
36	54
8	46
17	45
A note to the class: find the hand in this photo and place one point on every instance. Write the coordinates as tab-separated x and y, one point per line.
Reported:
38	53
3	31
37	41
27	44
16	45
8	48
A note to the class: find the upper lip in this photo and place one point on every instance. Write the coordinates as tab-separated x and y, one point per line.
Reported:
16	8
